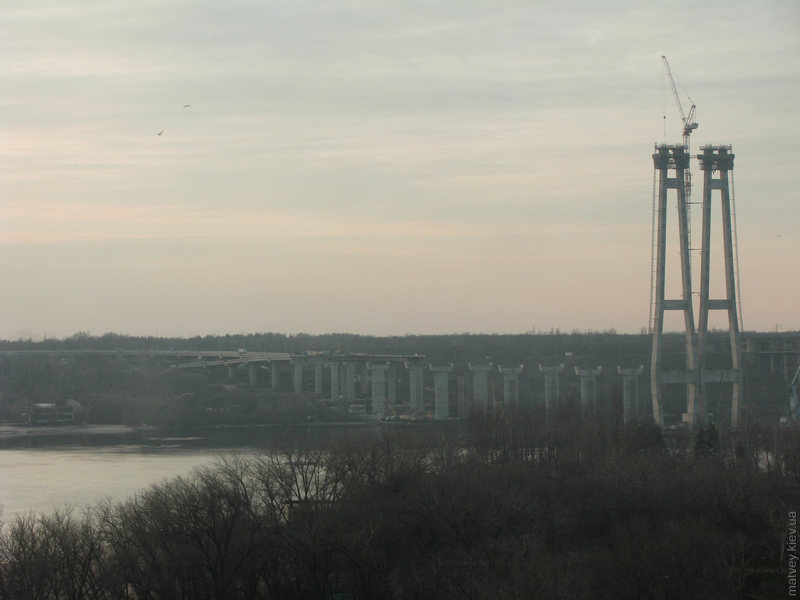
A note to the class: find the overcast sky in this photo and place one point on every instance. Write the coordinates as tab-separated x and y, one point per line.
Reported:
379	167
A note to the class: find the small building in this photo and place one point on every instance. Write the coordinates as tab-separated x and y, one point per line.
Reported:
49	413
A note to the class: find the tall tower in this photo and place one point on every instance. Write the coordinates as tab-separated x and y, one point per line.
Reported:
666	160
716	162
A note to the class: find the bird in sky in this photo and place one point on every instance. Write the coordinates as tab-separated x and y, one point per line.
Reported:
186	105
160	132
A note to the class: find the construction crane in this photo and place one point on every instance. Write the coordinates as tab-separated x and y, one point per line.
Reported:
689	125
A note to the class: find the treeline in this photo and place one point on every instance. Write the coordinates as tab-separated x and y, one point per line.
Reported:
109	390
461	347
133	391
505	508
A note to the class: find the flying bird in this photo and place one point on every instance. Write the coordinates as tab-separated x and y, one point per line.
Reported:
186	105
160	132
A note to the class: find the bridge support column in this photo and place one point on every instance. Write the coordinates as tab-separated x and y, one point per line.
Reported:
297	378
334	381
230	372
378	379
551	388
441	391
318	379
510	384
480	385
350	381
391	380
630	392
588	387
415	387
251	368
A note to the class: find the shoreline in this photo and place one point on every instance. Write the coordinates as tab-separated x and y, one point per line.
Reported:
14	431
14	434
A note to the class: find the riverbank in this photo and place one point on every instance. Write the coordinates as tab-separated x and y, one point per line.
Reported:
28	436
219	436
12	431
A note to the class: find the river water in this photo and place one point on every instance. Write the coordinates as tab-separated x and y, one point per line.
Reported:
44	479
43	473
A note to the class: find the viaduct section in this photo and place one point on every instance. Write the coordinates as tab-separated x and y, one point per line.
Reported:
408	386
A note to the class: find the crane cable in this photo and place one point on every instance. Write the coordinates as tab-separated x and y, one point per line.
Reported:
736	255
651	318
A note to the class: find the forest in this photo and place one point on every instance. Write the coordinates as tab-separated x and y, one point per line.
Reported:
501	506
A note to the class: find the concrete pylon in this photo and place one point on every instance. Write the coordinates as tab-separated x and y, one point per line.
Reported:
441	391
391	383
717	165
334	381
630	392
318	379
415	387
480	385
297	374
377	373
510	384
350	381
551	387
588	387
253	374
673	159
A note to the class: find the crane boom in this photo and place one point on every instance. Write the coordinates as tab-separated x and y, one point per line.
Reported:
689	124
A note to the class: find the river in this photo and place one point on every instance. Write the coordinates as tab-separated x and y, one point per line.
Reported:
79	468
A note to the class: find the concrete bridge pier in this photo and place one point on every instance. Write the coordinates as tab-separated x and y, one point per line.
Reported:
588	387
230	372
551	388
378	379
297	375
415	387
251	369
630	392
391	381
334	381
318	379
480	385
350	381
510	384
441	391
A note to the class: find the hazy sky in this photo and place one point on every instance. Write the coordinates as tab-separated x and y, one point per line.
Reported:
378	167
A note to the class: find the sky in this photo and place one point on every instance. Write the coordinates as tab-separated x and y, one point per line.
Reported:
180	168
